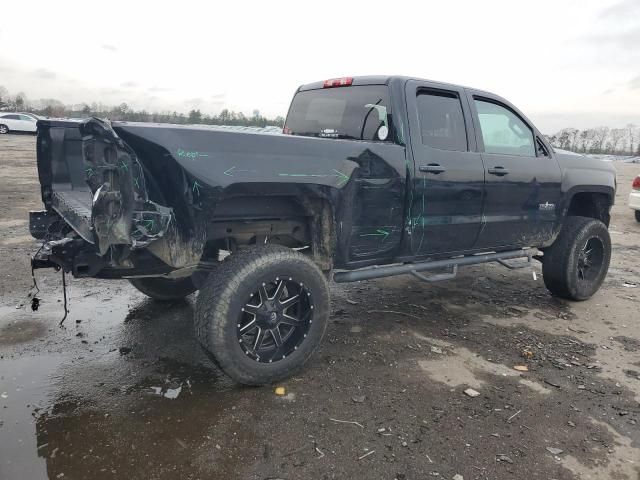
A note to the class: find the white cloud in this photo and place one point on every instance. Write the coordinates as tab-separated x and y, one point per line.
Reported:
554	60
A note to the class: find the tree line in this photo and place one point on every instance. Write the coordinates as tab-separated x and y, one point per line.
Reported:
50	107
600	140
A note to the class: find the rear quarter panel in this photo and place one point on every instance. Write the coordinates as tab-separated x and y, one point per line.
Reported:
363	181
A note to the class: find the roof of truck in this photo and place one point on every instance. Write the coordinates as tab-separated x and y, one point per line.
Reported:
361	80
385	80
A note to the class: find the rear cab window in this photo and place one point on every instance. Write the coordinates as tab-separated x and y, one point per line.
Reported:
356	112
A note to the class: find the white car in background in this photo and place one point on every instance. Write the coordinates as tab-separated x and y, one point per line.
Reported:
634	196
17	122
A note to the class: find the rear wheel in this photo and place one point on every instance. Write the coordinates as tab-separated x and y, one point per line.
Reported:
4	129
575	266
638	215
263	313
164	289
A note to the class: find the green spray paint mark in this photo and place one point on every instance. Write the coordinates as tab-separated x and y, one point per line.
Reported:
305	175
231	171
379	233
419	221
123	166
90	172
196	187
191	154
148	224
135	180
342	178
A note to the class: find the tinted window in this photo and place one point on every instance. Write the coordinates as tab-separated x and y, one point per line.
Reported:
355	112
12	117
441	120
503	131
27	118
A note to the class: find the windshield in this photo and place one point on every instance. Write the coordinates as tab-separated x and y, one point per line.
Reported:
356	113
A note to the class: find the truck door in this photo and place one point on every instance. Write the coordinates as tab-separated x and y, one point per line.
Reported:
445	205
522	186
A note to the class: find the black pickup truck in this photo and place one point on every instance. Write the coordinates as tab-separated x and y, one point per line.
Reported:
370	177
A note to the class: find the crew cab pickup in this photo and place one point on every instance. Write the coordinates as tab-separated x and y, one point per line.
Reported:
370	177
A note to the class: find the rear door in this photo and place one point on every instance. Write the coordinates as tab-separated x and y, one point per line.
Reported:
522	186
446	198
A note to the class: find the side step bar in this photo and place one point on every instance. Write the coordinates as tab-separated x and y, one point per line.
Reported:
391	270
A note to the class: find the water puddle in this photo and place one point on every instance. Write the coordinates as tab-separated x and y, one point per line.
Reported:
25	386
122	389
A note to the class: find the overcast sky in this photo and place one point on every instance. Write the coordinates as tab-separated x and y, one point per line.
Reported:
563	62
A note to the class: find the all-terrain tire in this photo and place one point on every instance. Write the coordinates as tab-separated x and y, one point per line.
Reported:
223	300
575	266
637	215
3	129
164	289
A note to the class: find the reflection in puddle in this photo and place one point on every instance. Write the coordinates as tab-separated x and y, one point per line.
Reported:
88	409
26	383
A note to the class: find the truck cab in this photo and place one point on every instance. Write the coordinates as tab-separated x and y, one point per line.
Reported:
464	170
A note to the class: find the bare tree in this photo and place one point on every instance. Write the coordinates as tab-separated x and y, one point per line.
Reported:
20	101
586	138
632	134
615	138
599	139
4	94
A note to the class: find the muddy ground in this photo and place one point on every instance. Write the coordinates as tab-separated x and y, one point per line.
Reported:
93	399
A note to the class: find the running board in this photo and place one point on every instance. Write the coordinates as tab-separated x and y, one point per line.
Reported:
413	268
438	277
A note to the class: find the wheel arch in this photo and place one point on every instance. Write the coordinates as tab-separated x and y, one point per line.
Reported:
284	214
593	201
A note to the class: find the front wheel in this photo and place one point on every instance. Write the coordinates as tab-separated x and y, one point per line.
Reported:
637	215
263	313
3	129
164	289
575	266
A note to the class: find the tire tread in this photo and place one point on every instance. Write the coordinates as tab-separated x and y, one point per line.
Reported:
215	297
557	259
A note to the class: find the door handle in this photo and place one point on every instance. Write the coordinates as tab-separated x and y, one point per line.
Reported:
500	171
432	168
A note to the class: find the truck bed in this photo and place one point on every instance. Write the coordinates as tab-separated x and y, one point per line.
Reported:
75	207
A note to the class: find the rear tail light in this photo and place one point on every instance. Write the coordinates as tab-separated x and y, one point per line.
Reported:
337	82
636	183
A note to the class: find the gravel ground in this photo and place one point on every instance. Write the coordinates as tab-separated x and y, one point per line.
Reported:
383	398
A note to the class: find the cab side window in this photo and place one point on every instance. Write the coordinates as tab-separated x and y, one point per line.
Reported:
441	120
503	132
